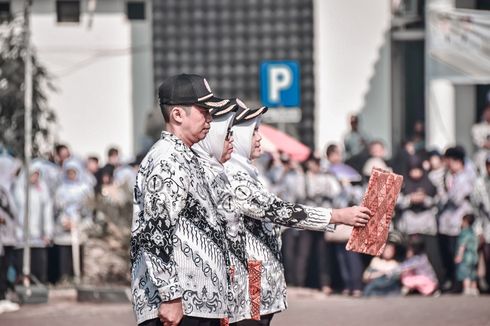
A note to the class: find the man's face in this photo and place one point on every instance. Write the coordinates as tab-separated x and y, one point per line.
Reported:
354	123
454	166
196	123
256	148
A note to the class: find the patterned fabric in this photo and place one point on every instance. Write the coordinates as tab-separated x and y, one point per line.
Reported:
455	202
254	268
178	247
381	196
238	298
263	213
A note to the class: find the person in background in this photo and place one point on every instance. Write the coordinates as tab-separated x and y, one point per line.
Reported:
467	256
418	136
377	158
481	138
9	167
417	203
322	190
290	186
41	223
481	204
61	154
378	276
407	156
416	272
113	161
73	214
437	172
93	164
354	141
458	186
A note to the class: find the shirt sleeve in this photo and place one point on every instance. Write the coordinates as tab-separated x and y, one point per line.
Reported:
255	201
159	199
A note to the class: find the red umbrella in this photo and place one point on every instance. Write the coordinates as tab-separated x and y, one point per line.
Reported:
274	140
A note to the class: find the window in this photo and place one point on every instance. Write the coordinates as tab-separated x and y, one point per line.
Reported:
4	12
68	11
136	10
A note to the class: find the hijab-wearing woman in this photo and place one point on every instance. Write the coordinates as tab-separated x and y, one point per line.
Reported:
213	151
73	213
263	212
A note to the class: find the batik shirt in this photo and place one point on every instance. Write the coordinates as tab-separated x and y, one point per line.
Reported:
178	247
238	291
264	213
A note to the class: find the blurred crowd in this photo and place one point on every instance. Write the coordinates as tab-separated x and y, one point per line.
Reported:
80	217
440	236
79	220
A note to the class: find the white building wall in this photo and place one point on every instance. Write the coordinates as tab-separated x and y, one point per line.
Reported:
91	64
352	68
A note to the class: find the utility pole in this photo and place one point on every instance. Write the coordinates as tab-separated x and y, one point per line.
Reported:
27	139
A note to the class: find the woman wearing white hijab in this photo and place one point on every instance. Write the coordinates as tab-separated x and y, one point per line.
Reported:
260	208
40	224
213	151
71	201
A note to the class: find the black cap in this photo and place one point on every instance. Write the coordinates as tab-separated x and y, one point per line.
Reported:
231	106
245	113
188	89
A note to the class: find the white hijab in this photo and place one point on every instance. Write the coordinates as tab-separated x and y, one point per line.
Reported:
240	158
210	148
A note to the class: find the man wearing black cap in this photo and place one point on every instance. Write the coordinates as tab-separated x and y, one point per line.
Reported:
455	203
178	253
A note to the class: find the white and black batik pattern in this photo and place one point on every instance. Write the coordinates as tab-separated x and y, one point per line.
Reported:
264	213
178	243
238	290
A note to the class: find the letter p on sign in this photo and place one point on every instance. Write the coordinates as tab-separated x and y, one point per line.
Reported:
279	84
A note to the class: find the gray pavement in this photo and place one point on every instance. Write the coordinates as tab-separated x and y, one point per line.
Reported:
306	307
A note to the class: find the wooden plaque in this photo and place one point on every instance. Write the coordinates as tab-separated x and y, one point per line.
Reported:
381	196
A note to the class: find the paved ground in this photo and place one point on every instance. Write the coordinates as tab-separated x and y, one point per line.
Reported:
305	308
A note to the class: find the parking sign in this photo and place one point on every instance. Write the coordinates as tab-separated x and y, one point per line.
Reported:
279	84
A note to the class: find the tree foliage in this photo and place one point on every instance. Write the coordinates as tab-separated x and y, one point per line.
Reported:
12	56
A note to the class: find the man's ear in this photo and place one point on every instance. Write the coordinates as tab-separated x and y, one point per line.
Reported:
177	114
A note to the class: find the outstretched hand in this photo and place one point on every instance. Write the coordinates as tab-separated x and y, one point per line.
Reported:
354	216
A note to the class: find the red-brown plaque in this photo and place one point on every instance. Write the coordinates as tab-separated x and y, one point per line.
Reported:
380	198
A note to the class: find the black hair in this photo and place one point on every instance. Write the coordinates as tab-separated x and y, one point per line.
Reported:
59	147
456	153
417	245
470	218
112	151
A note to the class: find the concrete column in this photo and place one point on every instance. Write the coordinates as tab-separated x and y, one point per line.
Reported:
465	107
440	115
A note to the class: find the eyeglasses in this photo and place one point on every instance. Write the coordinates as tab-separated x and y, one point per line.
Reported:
229	134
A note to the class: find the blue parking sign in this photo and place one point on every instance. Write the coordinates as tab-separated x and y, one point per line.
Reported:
279	84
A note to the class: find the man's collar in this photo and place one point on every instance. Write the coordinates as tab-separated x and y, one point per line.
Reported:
179	145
